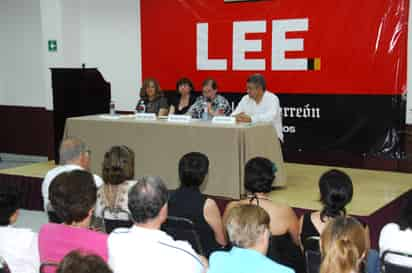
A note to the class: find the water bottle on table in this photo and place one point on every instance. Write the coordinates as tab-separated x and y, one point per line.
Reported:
205	113
112	108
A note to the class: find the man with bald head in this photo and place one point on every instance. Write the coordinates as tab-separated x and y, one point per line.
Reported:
74	155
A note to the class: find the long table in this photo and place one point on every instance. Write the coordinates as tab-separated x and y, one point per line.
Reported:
159	144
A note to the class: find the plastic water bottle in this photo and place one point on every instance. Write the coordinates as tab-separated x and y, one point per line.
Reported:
112	108
205	113
141	108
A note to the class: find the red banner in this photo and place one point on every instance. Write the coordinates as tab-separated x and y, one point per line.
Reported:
300	46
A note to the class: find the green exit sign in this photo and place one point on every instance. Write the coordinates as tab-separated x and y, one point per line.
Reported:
52	45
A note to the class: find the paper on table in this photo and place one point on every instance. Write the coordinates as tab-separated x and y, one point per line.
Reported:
107	116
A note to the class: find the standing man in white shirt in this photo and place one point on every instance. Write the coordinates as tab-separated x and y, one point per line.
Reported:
144	247
74	155
259	105
18	246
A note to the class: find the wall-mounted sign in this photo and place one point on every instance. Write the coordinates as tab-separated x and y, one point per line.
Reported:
52	45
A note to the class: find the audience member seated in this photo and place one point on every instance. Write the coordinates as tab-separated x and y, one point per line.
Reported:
184	99
151	96
398	236
187	201
80	262
74	155
18	246
248	227
73	196
336	192
259	176
344	245
118	174
144	247
216	104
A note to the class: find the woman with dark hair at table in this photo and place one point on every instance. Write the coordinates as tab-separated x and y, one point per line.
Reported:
153	98
259	176
184	99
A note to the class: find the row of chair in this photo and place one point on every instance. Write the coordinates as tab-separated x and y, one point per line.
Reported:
184	229
179	228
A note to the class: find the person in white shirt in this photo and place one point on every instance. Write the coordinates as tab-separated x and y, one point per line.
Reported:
259	105
144	247
74	155
398	237
18	246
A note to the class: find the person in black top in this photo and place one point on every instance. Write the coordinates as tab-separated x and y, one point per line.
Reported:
187	201
260	173
336	191
184	98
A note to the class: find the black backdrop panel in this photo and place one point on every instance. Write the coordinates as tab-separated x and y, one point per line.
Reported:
359	124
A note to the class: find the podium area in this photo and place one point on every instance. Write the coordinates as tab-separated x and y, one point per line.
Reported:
159	145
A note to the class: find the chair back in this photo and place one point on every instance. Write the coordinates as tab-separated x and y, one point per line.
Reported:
312	257
313	260
389	267
4	267
282	249
109	224
47	267
181	228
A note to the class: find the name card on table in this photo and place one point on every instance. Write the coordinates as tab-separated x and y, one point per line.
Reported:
146	116
179	118
224	120
108	116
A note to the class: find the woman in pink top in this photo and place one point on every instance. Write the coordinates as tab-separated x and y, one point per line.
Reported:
73	196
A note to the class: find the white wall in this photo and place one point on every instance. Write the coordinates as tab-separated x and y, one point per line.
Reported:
100	33
110	35
21	78
51	22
